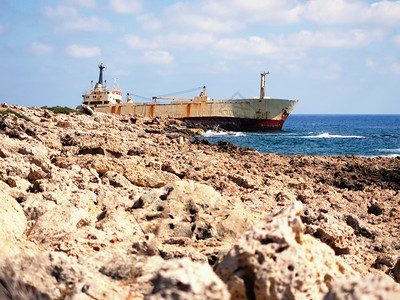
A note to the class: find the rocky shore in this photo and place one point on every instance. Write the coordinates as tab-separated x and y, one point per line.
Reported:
98	206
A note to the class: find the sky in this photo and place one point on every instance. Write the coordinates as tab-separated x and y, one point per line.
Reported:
334	56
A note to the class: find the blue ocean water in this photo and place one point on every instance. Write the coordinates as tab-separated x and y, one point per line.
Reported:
362	135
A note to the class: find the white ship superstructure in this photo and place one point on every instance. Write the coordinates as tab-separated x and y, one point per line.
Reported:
101	95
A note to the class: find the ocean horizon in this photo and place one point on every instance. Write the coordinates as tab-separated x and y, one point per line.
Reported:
368	135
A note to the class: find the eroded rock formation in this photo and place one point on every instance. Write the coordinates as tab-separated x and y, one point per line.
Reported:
97	206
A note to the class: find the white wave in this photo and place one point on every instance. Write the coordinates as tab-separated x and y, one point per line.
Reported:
334	136
212	133
389	150
392	155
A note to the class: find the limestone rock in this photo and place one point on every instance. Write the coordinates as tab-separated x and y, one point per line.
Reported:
370	287
192	210
12	222
186	280
275	260
145	177
58	222
58	276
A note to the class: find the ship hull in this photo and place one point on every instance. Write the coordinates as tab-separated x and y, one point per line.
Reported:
237	115
239	124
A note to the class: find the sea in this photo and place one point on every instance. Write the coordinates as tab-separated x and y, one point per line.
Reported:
323	135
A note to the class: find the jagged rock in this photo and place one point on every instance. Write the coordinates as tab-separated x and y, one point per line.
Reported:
116	180
87	109
183	279
146	177
12	222
193	210
275	260
98	187
340	237
58	222
370	287
59	276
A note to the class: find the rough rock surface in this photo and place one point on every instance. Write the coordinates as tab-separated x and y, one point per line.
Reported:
184	279
275	260
94	205
370	287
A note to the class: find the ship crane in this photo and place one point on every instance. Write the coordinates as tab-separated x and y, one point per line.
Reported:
262	89
203	95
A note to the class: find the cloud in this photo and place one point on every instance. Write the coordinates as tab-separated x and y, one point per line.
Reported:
125	6
89	24
41	49
4	28
171	40
158	57
334	38
352	12
137	42
396	41
83	3
227	16
385	13
149	22
385	65
60	12
199	17
80	51
253	45
69	18
333	11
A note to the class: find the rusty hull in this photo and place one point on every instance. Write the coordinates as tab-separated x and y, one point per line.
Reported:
237	114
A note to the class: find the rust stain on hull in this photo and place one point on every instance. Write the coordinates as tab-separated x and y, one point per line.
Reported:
241	114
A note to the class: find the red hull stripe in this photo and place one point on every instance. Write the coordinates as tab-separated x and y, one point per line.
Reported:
239	124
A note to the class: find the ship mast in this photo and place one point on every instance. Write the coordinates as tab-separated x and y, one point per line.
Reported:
101	67
262	89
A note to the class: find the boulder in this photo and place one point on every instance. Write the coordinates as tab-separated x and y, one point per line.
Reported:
276	260
182	279
54	275
12	222
146	177
192	210
57	223
370	287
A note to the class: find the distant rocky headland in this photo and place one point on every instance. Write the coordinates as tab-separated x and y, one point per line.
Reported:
100	206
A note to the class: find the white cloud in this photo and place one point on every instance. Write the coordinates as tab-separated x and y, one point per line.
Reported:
137	42
385	65
333	11
352	12
216	68
125	6
171	40
60	13
80	51
334	38
253	45
193	40
89	24
385	13
197	17
69	18
272	12
396	41
41	49
4	28
149	22
158	57
83	3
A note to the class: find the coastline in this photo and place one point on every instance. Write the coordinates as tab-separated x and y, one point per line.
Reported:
93	192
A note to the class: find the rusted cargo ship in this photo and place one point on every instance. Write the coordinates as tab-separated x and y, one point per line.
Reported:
257	114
